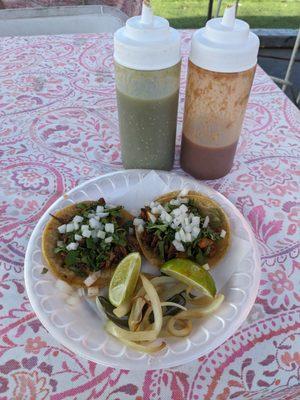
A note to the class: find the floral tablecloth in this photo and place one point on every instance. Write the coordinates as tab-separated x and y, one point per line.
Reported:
58	127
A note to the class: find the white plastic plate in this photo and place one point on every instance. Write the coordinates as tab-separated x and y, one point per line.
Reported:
81	330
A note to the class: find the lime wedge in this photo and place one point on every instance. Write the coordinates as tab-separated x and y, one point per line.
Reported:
124	280
191	274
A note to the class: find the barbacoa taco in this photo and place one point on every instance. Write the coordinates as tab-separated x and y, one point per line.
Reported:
183	224
88	239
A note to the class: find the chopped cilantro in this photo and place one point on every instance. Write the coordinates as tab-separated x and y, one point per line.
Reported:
93	253
71	257
166	234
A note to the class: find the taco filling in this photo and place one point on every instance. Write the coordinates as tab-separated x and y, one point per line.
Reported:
87	238
181	225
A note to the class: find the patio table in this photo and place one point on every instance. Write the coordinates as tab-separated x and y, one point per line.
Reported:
58	127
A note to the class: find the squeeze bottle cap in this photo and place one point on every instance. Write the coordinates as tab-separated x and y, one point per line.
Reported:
147	42
225	44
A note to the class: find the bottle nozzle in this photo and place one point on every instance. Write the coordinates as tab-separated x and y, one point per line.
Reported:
229	17
147	13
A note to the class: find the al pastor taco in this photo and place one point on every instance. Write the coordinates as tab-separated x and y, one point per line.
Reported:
88	239
183	225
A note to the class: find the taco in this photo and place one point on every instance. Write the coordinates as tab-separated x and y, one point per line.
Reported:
183	225
88	239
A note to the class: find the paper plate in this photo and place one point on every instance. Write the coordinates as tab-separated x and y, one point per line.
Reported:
81	330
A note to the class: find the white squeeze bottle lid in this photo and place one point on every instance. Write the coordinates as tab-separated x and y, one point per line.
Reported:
147	42
225	44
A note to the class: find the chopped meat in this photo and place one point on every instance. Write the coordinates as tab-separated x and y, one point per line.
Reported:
101	201
181	254
213	250
110	260
144	214
147	238
205	242
120	251
172	252
133	244
154	241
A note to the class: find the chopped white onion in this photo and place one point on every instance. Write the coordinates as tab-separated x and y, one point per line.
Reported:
152	217
223	233
175	202
60	243
108	239
155	210
188	237
70	227
77	237
175	223
94	223
188	228
103	215
84	227
81	292
94	233
195	221
184	192
206	267
183	208
92	291
86	233
178	245
160	208
182	234
206	222
92	278
138	221
77	219
176	212
101	234
195	232
177	236
99	209
140	229
62	228
168	217
72	246
109	228
76	226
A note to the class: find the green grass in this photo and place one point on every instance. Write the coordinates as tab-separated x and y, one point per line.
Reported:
258	13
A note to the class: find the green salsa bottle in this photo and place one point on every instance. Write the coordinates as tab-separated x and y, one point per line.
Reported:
147	69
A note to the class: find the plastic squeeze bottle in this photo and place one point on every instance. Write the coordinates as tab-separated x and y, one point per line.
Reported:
147	69
221	68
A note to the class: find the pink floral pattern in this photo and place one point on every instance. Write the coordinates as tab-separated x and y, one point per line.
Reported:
58	127
34	345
